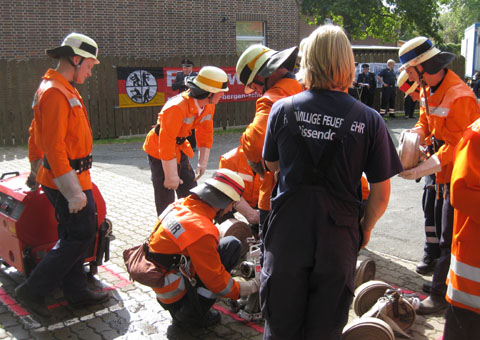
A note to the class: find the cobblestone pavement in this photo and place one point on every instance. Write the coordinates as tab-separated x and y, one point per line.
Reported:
132	311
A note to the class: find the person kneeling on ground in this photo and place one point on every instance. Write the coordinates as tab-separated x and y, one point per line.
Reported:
187	242
236	161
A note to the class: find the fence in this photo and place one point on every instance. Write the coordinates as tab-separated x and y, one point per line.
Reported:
366	56
100	94
20	78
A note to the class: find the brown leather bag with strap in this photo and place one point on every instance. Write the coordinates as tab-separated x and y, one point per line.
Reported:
141	269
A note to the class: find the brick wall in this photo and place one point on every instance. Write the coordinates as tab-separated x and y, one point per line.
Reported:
142	28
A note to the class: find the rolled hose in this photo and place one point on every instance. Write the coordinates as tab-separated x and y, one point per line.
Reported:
367	294
368	328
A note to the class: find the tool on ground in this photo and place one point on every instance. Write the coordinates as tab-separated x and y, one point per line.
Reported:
377	299
248	308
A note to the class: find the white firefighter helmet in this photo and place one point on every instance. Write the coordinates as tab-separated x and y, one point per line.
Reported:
76	44
420	50
406	85
221	189
210	79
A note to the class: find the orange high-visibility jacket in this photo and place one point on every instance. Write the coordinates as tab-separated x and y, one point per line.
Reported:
453	107
463	280
60	129
186	228
253	138
365	188
235	160
176	119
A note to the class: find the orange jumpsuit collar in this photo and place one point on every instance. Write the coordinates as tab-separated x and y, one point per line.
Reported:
198	206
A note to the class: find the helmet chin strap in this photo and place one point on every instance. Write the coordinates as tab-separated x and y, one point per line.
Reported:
77	67
220	213
422	84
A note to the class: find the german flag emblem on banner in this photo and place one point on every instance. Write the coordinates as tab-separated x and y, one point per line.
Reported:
140	86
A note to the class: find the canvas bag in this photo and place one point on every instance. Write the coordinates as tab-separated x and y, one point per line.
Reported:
142	270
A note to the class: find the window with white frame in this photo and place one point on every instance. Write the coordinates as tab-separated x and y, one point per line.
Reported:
249	33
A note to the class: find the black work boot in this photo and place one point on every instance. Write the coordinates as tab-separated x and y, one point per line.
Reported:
185	319
426	287
426	266
432	304
87	298
32	301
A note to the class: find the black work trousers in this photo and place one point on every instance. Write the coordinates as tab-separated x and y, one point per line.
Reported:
164	196
63	264
461	324
444	233
409	106
431	215
311	247
388	99
199	299
367	96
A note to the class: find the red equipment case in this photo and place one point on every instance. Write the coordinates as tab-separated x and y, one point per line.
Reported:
28	228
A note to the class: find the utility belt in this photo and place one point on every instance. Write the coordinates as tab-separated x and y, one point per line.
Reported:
179	141
79	164
436	143
169	261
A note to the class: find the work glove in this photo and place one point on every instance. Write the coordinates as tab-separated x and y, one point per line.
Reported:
170	169
258	168
32	177
69	185
252	215
203	155
248	287
428	167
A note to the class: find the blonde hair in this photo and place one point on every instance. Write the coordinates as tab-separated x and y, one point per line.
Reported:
328	59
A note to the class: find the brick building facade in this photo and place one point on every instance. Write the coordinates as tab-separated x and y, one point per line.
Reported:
143	28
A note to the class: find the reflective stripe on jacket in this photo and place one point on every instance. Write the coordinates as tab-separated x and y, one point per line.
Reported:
464	276
177	119
187	229
254	136
60	129
235	160
453	107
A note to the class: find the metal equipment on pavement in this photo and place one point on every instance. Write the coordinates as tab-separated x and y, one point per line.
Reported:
28	227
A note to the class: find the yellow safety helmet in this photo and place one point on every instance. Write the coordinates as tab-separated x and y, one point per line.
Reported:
210	79
258	59
76	44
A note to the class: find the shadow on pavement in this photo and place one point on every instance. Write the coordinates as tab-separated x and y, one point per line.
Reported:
111	319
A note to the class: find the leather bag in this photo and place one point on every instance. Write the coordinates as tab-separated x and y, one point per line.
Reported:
142	270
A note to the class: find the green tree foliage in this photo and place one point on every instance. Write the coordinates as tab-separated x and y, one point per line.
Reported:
456	17
387	20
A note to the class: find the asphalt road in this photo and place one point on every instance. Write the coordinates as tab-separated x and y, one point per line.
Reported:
399	232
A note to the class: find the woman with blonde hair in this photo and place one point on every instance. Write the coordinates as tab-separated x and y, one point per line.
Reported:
319	142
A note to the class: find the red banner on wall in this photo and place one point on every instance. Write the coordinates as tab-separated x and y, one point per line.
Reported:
143	86
236	89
